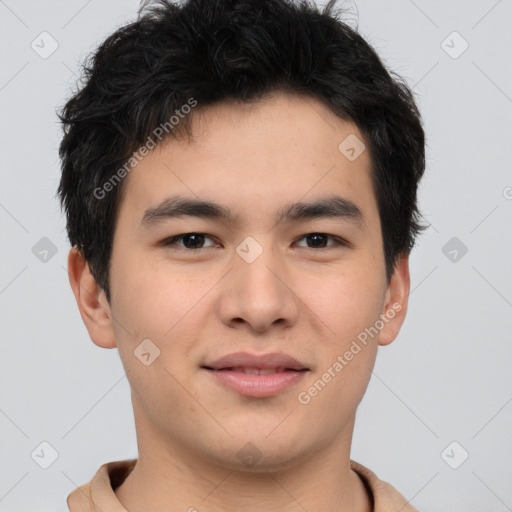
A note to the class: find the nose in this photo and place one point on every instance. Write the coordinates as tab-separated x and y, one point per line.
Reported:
258	295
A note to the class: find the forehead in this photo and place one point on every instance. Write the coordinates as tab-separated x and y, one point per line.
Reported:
257	157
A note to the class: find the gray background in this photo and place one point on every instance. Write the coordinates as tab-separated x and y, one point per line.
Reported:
447	376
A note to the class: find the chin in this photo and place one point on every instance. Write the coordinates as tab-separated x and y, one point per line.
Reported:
253	460
251	452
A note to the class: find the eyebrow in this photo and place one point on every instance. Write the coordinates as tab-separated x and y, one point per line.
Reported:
332	206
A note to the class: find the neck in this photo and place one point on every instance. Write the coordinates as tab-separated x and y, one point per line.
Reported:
176	479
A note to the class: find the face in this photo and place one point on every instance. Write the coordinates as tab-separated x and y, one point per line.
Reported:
264	280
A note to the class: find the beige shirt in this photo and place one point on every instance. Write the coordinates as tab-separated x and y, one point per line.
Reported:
98	495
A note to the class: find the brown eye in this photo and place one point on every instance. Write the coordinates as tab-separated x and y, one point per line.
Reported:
319	240
189	241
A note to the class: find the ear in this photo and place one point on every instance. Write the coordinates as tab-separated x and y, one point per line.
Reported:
91	300
397	297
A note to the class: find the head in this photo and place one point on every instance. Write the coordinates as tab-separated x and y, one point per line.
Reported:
253	106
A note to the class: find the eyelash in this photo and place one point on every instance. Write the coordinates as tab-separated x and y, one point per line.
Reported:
172	241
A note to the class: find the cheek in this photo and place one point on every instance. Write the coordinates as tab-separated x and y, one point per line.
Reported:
348	306
159	307
149	299
162	304
347	302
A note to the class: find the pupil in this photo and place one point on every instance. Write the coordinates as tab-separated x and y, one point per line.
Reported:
188	237
316	237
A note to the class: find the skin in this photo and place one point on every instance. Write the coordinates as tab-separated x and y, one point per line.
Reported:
196	306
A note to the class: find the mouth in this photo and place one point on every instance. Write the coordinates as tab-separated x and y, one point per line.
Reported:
256	376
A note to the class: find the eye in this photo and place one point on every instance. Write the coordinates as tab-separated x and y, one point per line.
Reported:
317	240
195	241
190	240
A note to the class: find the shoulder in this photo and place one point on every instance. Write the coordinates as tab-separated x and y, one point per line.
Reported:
98	495
385	497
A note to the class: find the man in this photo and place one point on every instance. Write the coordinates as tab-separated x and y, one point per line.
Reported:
240	184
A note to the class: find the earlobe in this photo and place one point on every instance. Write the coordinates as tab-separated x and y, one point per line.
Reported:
397	297
91	301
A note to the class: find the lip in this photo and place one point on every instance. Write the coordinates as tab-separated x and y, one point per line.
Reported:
227	372
270	360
